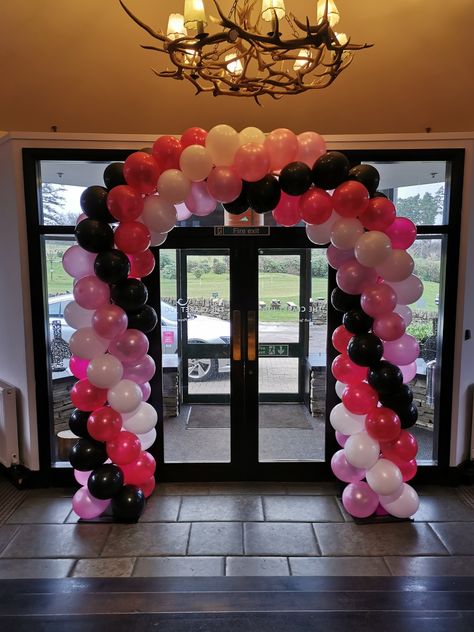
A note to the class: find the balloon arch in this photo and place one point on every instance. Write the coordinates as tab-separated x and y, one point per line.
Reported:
296	179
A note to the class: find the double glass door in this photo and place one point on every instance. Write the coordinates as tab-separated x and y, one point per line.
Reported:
243	345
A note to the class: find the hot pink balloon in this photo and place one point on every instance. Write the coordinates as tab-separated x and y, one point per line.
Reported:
109	321
359	399
252	162
140	372
359	500
287	213
130	347
409	371
402	232
352	277
78	262
90	292
316	206
337	257
146	390
224	184
403	351
378	299
344	470
282	147
389	326
87	506
199	201
310	147
78	367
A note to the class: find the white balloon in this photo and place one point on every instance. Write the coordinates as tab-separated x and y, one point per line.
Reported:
345	233
76	316
158	214
405	505
384	477
196	163
85	343
251	135
340	386
321	233
397	267
125	396
147	439
173	186
372	248
104	371
141	420
361	450
157	238
346	422
222	142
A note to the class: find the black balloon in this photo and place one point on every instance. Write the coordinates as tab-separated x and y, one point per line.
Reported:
94	204
87	454
296	178
112	266
130	294
399	398
113	175
408	416
343	302
78	423
94	235
239	205
365	349
128	504
144	320
330	170
378	194
385	377
366	175
357	321
263	196
105	481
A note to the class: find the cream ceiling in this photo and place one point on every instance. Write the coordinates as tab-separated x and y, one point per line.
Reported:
78	65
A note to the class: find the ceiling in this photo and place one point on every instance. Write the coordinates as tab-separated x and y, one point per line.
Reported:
79	66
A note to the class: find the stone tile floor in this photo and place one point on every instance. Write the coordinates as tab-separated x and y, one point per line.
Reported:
238	529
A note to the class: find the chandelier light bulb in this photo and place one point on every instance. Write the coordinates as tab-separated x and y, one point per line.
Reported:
341	38
176	26
333	13
194	13
234	66
270	7
303	58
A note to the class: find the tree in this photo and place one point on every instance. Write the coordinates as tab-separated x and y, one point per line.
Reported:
53	205
421	210
219	266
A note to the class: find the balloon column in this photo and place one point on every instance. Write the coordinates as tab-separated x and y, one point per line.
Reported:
296	179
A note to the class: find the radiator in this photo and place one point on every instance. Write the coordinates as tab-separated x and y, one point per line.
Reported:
8	425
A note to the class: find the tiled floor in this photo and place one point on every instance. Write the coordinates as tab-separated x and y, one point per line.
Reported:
238	529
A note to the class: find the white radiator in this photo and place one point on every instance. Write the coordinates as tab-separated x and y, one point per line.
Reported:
8	425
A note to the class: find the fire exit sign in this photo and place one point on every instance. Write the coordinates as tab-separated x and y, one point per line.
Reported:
273	351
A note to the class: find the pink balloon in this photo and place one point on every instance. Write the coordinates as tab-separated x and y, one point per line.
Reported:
409	372
90	292
337	257
310	147
352	277
359	500
287	212
252	162
140	372
409	290
182	214
341	438
224	184
109	321
316	206
389	326
78	367
282	147
378	299
403	351
130	347
87	506
402	232
82	477
146	390
344	470
199	201
78	262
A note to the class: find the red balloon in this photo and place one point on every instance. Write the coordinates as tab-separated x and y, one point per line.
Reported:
125	203
341	338
287	213
148	486
166	152
132	237
142	263
383	424
104	424
347	371
124	449
408	469
404	448
379	214
78	367
350	199
141	172
316	206
359	398
193	136
140	470
86	396
402	233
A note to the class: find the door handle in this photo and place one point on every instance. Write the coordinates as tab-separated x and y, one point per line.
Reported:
236	335
251	336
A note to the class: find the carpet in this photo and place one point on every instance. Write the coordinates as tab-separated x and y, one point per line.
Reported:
270	416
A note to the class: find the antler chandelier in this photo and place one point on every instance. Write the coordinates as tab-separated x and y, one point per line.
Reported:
254	49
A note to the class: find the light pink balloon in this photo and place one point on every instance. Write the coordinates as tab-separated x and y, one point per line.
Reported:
344	470
252	162
337	257
389	326
352	277
86	506
80	218
405	312
224	184
86	344
140	372
403	351
109	321
199	201
82	477
409	371
182	214
90	292
282	147
341	438
146	390
359	500
409	290
321	233
311	146
130	347
378	299
76	316
397	267
78	262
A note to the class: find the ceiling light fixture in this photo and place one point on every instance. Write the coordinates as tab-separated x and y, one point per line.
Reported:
252	50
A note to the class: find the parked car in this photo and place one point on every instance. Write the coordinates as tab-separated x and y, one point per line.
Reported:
201	330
